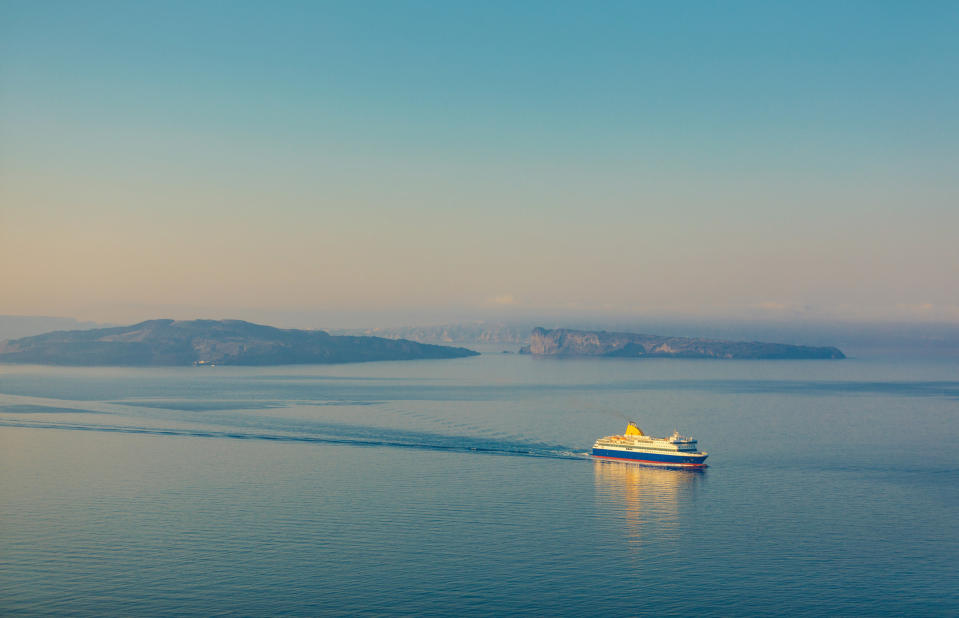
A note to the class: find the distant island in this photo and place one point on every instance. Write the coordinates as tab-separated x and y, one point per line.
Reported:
452	333
208	342
564	342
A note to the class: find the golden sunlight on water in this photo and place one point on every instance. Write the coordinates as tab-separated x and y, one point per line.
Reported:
644	495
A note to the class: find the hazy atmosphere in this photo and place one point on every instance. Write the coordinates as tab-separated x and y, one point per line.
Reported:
443	308
352	164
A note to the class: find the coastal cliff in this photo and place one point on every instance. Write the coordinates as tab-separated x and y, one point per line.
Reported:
564	342
228	342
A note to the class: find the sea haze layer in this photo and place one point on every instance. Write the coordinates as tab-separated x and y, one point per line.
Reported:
424	488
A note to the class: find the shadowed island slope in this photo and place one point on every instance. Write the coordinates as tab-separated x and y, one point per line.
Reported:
564	342
228	342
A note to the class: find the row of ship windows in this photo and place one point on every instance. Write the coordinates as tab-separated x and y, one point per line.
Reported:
653	448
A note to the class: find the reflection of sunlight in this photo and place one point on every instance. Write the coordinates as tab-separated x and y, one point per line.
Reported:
644	495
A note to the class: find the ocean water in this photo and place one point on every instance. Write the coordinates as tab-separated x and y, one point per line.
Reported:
463	486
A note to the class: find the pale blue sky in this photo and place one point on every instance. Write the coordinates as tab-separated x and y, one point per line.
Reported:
716	159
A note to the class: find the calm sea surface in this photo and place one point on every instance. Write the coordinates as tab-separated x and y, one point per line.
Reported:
463	486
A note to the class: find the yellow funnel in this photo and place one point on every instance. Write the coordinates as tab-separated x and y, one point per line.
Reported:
633	430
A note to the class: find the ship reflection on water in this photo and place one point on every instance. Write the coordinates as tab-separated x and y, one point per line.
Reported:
644	496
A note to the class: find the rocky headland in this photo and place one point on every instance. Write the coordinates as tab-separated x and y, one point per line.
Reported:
565	342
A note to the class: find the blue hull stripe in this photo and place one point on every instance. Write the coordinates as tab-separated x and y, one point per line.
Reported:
657	457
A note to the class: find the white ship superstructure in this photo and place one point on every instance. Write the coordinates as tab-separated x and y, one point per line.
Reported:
636	446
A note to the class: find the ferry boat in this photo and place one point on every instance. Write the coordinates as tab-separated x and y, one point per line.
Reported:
635	446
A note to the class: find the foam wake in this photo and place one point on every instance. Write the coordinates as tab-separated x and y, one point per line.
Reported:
457	444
